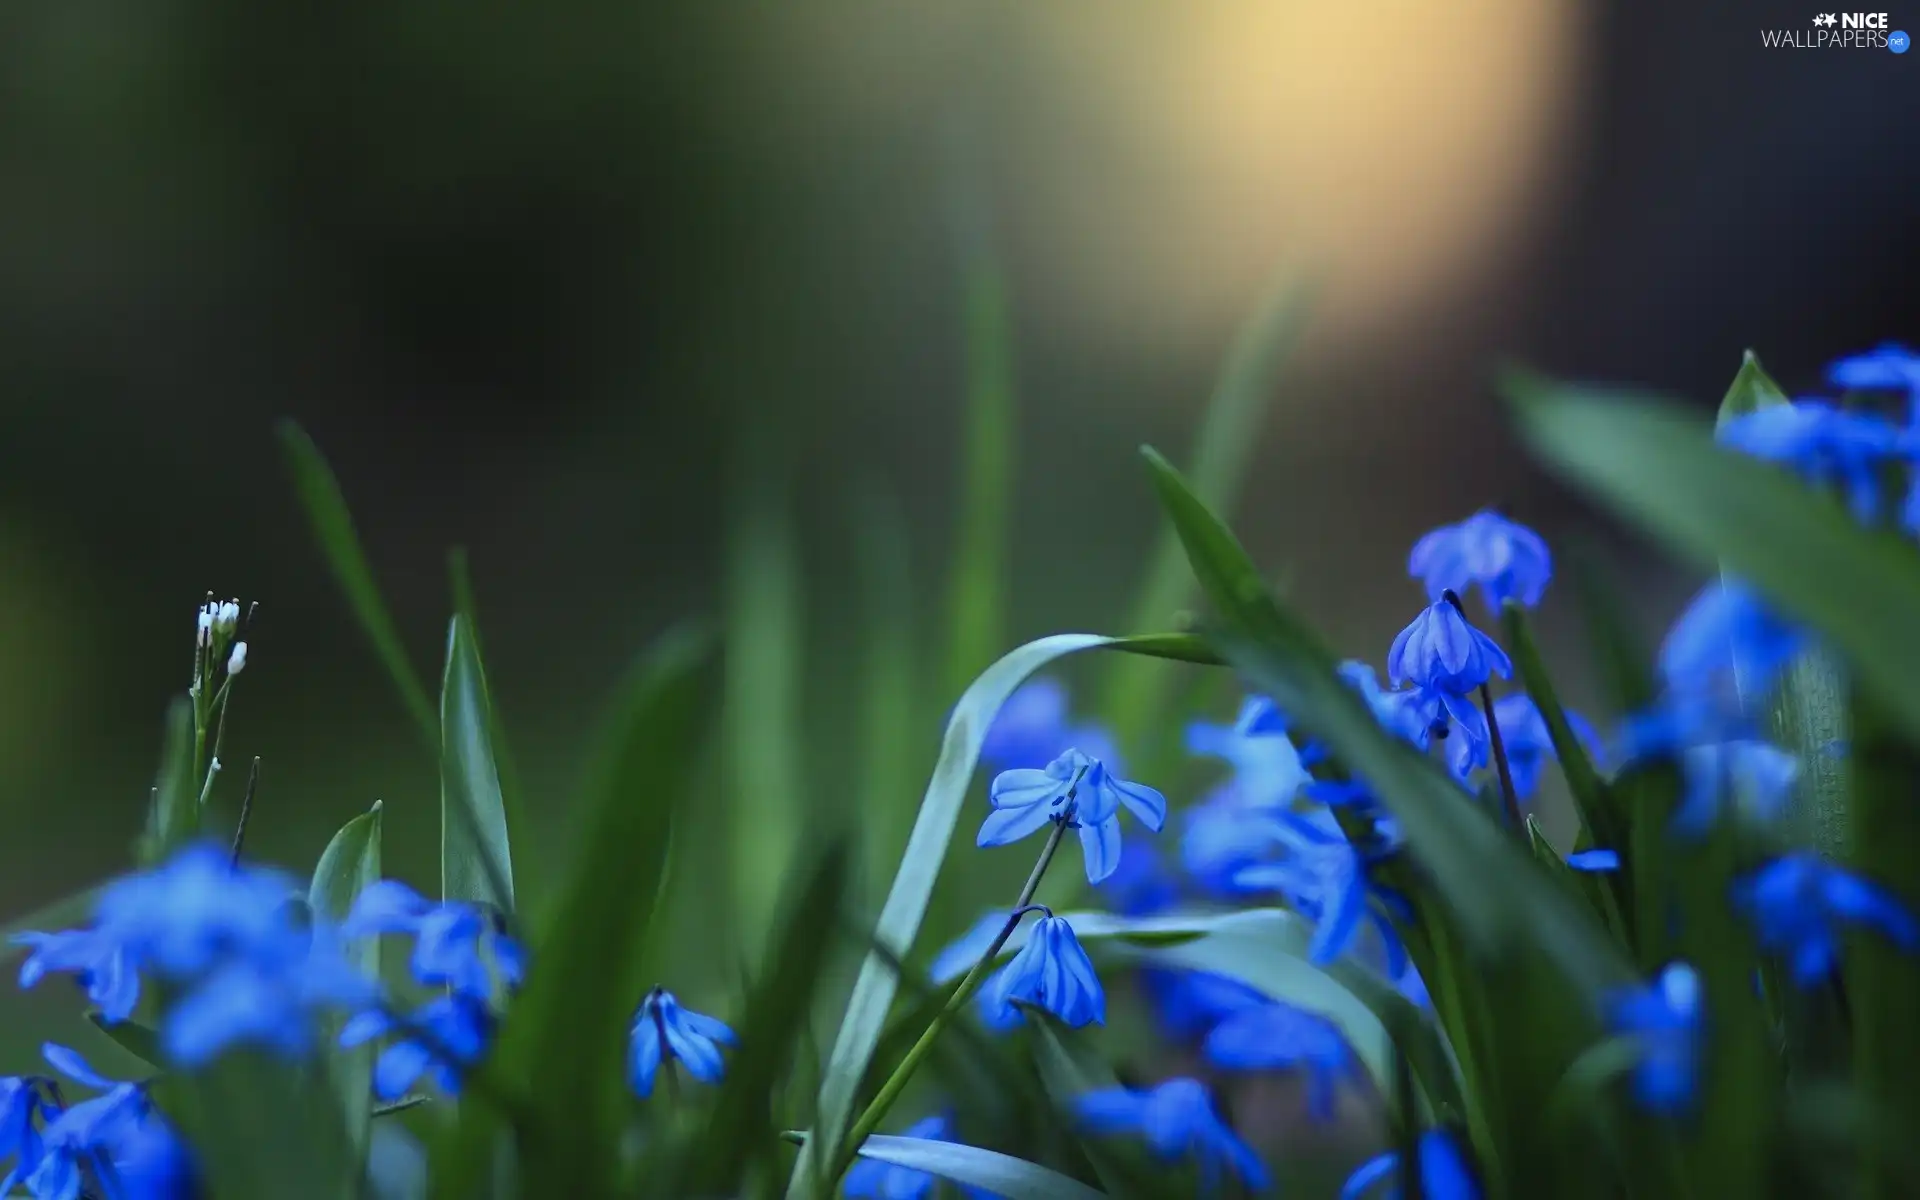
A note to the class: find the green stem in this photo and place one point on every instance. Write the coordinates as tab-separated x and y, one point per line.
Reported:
876	1111
1507	794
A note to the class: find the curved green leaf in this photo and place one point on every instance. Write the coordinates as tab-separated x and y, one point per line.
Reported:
989	1170
349	864
476	860
332	524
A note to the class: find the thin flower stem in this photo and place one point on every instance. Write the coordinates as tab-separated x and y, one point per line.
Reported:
1507	793
246	810
876	1112
218	720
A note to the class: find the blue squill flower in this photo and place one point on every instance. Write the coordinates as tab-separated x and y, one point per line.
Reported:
1824	445
1176	1120
455	945
74	1139
440	1039
1274	1037
1888	367
1265	762
1442	652
1032	729
1052	973
1529	746
1406	713
1727	623
1324	877
98	963
1077	791
1506	559
25	1107
195	909
1594	860
1188	1004
871	1179
662	1029
1798	903
267	997
1664	1020
1444	1173
1222	834
1754	777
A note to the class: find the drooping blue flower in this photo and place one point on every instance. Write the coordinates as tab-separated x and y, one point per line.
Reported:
662	1029
1823	444
1051	972
1444	1173
1406	713
871	1179
1079	792
1032	729
1594	860
98	964
1276	1036
268	998
1265	761
1442	652
1727	624
1506	559
1324	877
455	945
1752	777
114	1127
1888	367
1665	1021
440	1039
1177	1121
1798	903
1529	746
1188	1004
25	1107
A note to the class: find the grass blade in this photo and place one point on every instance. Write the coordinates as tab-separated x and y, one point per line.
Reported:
889	705
332	525
347	866
174	818
518	832
476	858
977	591
970	1166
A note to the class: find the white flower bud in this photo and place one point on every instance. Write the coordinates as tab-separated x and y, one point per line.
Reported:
203	632
227	617
237	661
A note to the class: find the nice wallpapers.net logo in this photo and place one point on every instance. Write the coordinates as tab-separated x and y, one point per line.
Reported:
1840	31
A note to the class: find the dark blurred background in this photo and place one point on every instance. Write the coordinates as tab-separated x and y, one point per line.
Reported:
558	283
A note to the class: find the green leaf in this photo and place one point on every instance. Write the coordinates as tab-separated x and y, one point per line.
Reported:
1752	389
977	589
348	866
332	524
1487	879
1223	452
913	882
890	705
563	1043
133	1037
1659	467
174	818
988	1170
64	913
476	860
258	1129
1598	811
518	833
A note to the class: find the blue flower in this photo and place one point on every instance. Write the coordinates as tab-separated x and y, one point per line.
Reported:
98	964
1051	972
1176	1120
1444	1173
664	1029
195	909
1755	777
1079	792
1323	877
1188	1004
24	1107
456	945
1507	560
117	1126
1797	904
969	948
1222	834
1442	652
871	1179
1407	714
267	997
1727	623
1141	885
1888	367
1265	761
1823	445
1664	1020
1275	1036
1594	860
1031	730
439	1039
1529	746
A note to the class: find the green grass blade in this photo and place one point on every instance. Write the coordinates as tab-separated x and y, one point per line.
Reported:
564	1040
174	818
761	718
332	525
1598	811
1487	879
519	833
349	864
977	589
890	708
476	857
913	882
1223	451
1659	467
988	1170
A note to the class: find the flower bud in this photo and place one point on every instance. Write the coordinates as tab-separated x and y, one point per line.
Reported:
237	661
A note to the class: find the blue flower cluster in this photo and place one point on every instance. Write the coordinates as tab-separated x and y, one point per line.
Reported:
114	1144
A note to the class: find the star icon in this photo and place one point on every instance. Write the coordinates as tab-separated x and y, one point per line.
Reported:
1826	19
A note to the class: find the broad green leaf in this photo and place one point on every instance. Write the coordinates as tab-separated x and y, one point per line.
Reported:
476	861
762	770
1001	1174
518	833
1487	879
133	1037
349	864
65	913
1659	467
174	818
977	587
1752	389
332	525
1223	452
890	705
563	1043
913	883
